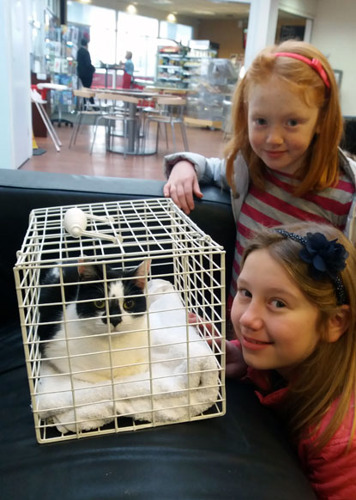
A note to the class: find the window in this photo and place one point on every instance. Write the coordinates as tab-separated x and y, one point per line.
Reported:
102	24
138	34
112	33
178	32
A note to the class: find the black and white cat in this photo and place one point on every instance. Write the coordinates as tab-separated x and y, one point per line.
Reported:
94	326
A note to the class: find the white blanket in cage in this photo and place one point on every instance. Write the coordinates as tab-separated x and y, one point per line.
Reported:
183	382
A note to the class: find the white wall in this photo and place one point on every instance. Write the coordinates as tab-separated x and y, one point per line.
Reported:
15	103
304	8
334	33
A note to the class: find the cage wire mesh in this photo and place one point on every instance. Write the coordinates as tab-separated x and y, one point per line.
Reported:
122	309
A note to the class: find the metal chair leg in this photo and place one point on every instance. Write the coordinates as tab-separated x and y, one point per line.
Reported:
95	130
166	133
126	137
173	137
108	143
157	134
184	135
76	128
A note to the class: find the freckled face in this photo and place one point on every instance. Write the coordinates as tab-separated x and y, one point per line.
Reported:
273	320
281	125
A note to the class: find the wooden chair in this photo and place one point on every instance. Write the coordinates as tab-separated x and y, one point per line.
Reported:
169	112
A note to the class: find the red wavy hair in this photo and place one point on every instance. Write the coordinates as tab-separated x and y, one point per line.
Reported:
322	166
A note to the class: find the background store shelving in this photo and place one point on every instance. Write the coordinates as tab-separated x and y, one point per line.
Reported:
211	84
177	65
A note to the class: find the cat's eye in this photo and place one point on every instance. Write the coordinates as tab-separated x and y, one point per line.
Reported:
129	304
99	304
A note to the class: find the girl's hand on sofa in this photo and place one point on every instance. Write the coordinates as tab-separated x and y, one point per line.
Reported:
182	185
235	363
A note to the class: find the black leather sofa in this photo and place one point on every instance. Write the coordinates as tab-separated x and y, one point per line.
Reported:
243	455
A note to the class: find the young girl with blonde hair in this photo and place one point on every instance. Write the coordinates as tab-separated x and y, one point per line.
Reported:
294	316
282	163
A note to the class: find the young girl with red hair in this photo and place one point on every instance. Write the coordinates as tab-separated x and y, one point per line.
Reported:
283	163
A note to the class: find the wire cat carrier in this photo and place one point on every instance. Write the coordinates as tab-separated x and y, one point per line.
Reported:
122	309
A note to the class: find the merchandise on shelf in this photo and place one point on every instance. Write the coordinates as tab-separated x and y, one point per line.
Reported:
211	83
176	65
170	67
62	43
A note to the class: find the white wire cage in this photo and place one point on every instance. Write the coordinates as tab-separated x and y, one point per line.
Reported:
161	365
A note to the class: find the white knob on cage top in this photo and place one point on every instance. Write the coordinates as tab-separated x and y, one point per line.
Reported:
75	222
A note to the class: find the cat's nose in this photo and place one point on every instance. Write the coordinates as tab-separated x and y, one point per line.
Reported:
115	317
115	320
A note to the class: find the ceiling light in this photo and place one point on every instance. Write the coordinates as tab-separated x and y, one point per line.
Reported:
131	9
171	18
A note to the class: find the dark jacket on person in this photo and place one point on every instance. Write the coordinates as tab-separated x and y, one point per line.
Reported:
85	69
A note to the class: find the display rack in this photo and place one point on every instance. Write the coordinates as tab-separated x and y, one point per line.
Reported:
171	68
177	65
210	84
61	48
62	43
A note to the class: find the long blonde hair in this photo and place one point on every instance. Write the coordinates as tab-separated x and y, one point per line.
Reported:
317	385
322	165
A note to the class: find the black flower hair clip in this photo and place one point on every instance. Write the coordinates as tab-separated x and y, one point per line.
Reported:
325	258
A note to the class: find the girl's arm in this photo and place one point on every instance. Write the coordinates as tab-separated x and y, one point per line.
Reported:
185	171
331	472
235	364
182	186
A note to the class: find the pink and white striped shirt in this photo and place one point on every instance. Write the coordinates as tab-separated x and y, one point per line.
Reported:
276	205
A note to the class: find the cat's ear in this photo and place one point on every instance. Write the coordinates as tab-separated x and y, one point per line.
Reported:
88	272
141	273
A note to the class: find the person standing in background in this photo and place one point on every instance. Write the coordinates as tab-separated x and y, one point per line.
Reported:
128	67
85	69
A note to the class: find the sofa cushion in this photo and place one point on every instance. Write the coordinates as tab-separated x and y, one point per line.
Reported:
243	454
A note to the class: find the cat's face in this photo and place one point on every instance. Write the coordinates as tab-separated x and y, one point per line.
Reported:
112	303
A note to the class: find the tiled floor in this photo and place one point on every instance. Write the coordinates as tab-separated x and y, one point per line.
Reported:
77	160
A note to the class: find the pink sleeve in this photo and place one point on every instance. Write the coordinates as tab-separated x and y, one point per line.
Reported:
332	473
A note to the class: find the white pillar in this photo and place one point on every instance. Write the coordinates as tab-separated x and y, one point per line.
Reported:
308	30
262	25
15	95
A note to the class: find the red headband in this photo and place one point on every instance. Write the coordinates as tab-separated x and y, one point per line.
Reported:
313	63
